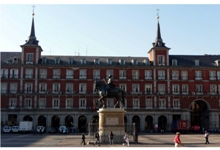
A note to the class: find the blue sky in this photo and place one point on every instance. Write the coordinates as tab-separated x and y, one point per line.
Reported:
112	29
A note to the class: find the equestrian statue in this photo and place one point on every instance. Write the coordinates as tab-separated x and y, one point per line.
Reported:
108	90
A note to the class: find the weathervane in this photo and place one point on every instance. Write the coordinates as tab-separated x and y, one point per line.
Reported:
33	10
158	13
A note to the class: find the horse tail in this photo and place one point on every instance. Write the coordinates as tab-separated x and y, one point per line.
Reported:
122	98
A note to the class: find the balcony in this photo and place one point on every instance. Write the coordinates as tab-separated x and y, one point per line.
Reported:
121	77
28	76
212	78
82	77
43	76
56	76
69	76
70	92
198	78
42	92
135	77
3	76
29	62
13	76
161	77
28	91
148	77
175	78
135	92
148	92
184	77
13	91
82	92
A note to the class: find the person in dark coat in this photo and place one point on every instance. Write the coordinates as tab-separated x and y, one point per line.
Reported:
83	139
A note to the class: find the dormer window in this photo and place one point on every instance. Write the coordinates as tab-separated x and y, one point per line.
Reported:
57	61
70	61
29	58
217	62
15	60
96	61
121	61
83	61
44	61
146	61
174	62
134	61
109	61
196	62
161	61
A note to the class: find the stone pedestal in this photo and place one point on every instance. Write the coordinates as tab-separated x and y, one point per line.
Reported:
111	119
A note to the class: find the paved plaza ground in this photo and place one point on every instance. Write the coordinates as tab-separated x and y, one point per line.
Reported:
74	140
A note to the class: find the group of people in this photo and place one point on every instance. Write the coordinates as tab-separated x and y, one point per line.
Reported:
178	142
111	136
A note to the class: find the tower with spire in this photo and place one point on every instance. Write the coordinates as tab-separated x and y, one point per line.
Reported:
159	53
31	51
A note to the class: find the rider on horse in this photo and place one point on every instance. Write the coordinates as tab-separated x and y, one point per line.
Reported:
110	84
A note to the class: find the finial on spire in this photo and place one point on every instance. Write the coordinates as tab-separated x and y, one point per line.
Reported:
158	13
33	10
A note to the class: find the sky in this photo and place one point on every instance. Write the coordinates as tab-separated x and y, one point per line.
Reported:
111	28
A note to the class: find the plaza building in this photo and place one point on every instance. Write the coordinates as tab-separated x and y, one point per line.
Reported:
159	88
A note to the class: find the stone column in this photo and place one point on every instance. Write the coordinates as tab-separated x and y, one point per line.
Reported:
111	119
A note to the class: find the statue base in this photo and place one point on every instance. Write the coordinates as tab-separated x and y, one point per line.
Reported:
111	119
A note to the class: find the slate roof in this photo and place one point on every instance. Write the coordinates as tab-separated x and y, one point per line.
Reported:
182	60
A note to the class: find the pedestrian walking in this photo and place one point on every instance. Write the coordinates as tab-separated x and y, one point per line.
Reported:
206	137
97	138
111	135
177	140
83	139
126	138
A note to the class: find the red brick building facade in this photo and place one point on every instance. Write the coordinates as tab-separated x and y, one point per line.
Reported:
58	90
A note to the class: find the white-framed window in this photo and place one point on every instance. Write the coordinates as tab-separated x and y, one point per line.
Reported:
198	75
123	87
185	89
148	74
96	61
161	89
82	74
162	103
135	74
69	103
56	103
136	103
146	61
161	74
213	89
30	58
42	87
13	73
109	72
43	73
28	73
121	61
96	74
174	62
82	88
212	75
109	61
148	88
83	61
56	73
184	75
56	88
175	75
122	74
176	103
110	102
42	103
4	73
176	89
218	75
70	61
69	74
28	87
69	88
28	103
82	103
149	104
196	62
57	60
13	87
134	61
161	61
12	103
135	89
4	87
199	89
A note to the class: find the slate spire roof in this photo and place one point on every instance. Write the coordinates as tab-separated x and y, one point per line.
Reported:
158	41
32	40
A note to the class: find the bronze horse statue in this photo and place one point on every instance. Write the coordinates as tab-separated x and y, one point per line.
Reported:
116	93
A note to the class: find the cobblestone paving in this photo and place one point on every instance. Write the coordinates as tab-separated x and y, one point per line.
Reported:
74	140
